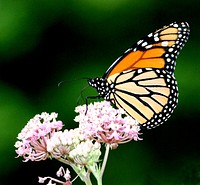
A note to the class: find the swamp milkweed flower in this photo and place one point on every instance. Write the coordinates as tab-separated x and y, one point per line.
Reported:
32	140
60	173
105	124
72	147
80	148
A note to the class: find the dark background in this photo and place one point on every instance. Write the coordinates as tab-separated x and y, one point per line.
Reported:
45	42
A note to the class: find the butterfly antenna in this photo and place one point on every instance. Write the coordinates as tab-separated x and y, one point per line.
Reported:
81	92
61	82
76	79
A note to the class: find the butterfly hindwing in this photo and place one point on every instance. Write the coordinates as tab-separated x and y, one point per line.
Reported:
149	96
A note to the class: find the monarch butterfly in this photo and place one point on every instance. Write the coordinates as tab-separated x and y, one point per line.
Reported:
142	81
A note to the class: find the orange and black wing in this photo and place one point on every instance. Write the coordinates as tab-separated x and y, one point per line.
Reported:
158	49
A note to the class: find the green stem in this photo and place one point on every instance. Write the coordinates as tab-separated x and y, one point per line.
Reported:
94	169
87	179
81	172
105	160
99	181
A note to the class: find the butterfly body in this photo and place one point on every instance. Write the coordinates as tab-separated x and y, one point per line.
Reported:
142	80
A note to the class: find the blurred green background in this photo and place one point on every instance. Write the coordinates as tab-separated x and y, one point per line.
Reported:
43	42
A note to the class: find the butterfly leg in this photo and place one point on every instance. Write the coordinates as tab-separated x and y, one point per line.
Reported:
81	96
90	97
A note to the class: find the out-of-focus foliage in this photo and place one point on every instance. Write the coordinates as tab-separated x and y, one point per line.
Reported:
45	42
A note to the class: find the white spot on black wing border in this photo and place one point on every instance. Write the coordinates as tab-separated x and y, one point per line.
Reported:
168	109
172	52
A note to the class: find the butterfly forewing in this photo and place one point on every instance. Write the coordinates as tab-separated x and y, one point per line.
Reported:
156	50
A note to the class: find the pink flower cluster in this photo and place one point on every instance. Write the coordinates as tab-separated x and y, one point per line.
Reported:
80	148
100	121
33	137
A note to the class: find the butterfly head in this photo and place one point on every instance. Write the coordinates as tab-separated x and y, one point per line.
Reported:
101	85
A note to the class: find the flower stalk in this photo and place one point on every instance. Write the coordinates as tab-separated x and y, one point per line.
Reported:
105	160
